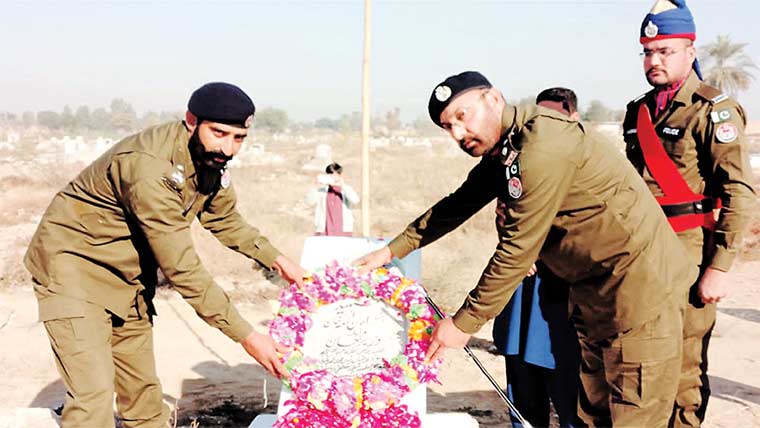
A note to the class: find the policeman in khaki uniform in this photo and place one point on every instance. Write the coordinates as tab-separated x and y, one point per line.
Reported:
687	141
95	255
573	201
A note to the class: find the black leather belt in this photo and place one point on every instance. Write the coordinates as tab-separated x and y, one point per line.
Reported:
699	207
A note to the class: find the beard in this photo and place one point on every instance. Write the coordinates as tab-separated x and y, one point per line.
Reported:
208	165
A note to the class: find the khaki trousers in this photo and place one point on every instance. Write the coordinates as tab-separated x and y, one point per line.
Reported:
694	385
631	379
99	354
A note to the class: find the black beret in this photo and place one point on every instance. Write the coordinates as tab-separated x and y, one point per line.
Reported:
452	87
222	102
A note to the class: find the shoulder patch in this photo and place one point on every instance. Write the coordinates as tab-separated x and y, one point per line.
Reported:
726	133
709	93
720	116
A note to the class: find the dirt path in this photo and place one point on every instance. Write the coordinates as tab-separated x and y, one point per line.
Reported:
212	379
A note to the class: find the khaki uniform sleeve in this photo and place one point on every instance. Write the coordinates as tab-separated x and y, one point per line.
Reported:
546	178
223	220
156	208
476	192
731	182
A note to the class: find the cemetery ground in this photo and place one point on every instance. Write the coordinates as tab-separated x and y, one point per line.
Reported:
212	382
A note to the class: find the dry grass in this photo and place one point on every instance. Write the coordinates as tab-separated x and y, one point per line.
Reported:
405	182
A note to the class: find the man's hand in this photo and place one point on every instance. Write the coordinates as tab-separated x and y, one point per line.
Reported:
289	270
264	349
445	335
373	260
713	286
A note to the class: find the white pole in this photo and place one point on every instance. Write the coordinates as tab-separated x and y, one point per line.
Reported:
365	117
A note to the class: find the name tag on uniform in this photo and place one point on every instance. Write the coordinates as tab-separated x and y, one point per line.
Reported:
674	133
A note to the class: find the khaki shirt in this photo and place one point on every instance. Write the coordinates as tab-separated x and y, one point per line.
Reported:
719	169
584	212
105	234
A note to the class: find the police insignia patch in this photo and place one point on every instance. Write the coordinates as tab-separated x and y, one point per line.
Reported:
508	156
726	133
514	186
720	116
442	93
226	179
651	30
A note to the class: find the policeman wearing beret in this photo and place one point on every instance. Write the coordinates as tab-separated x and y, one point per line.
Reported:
95	255
572	200
687	141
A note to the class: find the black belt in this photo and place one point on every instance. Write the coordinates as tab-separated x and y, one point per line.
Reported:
699	207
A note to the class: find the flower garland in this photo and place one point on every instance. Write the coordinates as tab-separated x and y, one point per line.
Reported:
370	400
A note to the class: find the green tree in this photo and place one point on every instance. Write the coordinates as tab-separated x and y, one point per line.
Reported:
350	122
49	119
424	126
100	119
597	112
326	123
82	118
727	66
123	116
68	121
393	119
272	119
171	116
150	118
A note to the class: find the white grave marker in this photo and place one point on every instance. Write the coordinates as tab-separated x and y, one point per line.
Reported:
349	339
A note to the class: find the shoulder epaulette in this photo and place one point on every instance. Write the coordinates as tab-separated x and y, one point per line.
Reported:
637	99
711	94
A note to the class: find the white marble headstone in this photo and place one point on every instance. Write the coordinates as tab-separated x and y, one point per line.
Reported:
350	339
347	338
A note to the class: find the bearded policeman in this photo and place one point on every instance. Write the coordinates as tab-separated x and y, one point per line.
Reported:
95	255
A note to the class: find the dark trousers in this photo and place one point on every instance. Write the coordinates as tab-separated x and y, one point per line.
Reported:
531	388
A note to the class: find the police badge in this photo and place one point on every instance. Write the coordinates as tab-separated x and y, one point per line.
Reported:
442	93
226	178
651	30
514	186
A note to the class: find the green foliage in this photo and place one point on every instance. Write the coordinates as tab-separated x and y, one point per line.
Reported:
271	119
82	117
598	112
393	119
49	119
424	126
123	116
727	66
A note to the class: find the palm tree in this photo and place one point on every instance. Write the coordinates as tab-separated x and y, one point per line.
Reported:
727	66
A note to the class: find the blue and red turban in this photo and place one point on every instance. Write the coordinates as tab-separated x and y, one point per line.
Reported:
669	19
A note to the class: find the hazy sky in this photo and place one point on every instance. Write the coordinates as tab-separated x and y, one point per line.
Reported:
305	56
